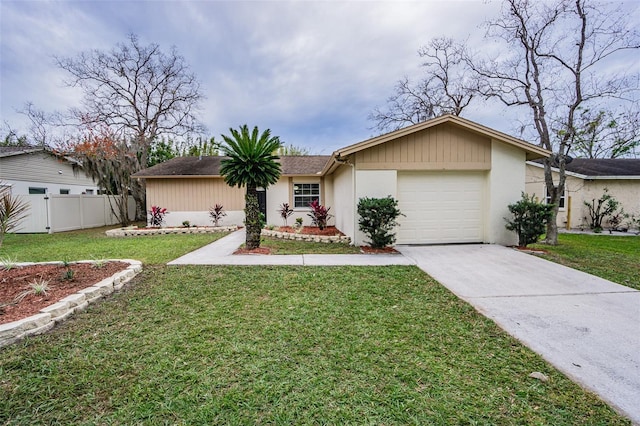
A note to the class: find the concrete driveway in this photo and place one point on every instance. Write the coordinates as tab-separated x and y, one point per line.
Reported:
587	327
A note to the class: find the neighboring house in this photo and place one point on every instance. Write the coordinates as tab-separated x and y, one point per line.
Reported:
32	170
586	181
59	194
453	179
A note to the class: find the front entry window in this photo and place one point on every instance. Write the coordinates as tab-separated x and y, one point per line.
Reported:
305	193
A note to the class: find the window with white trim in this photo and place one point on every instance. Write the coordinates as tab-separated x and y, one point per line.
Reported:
305	193
64	191
547	198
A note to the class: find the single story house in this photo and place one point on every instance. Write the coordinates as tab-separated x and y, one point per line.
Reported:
34	170
586	181
453	179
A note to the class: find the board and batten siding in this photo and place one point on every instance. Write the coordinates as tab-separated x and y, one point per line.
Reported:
42	167
444	147
193	194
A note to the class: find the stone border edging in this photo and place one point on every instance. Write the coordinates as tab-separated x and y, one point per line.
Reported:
134	232
49	316
307	237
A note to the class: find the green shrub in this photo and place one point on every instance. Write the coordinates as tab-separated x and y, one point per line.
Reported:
378	219
529	219
600	209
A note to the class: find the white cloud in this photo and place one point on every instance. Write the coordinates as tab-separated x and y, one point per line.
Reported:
311	71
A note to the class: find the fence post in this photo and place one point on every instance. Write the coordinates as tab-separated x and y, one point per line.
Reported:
49	214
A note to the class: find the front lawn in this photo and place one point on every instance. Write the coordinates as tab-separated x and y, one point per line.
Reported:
89	244
284	345
613	258
280	246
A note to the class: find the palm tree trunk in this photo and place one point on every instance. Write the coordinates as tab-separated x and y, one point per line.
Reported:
252	218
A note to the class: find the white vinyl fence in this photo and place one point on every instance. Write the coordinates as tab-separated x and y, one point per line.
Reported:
57	213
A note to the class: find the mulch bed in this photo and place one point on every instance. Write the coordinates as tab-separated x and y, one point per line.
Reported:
311	230
384	250
18	279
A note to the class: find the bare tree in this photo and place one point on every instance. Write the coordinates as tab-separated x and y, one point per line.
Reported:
554	66
447	88
40	122
10	137
138	92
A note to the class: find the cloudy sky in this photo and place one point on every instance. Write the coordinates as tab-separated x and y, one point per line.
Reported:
309	71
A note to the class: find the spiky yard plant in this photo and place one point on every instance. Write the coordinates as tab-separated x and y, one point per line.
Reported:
12	211
37	287
7	263
251	163
216	213
285	211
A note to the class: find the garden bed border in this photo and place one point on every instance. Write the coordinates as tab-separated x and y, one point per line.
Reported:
135	232
307	237
49	316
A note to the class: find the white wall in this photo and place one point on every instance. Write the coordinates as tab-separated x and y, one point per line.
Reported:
200	218
373	184
303	212
276	195
505	184
343	200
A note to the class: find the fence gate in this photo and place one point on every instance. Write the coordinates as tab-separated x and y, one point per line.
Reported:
37	220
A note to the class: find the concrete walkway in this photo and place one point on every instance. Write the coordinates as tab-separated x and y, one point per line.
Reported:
587	327
220	253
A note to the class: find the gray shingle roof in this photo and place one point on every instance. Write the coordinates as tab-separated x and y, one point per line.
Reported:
7	151
210	166
605	166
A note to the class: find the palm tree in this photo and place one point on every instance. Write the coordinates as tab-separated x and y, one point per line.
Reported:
251	163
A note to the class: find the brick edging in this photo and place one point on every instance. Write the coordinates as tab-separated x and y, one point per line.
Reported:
307	237
48	317
134	232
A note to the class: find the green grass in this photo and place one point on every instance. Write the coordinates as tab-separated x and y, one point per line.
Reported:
93	243
284	345
613	258
279	246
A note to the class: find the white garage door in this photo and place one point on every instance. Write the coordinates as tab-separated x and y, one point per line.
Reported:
440	207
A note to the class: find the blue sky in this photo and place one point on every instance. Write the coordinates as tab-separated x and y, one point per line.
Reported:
309	71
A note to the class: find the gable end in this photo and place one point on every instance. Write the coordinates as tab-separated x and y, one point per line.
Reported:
443	147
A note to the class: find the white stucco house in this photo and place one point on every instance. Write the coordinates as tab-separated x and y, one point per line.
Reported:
453	179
